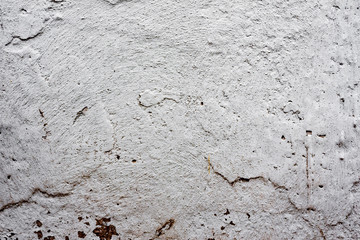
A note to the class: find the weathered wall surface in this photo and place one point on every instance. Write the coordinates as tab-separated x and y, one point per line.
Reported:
179	119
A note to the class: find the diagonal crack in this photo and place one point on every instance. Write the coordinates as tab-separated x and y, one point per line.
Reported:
80	113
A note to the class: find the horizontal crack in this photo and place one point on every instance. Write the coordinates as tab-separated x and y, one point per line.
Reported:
242	179
157	103
25	39
28	200
15	204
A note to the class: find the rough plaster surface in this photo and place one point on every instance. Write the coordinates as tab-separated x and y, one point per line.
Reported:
179	119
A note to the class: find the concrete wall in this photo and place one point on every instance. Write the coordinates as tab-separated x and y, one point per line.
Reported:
129	119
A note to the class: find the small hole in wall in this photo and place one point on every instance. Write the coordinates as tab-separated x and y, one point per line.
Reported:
342	100
283	137
248	215
342	159
321	186
311	209
354	126
117	157
202	103
133	161
222	228
9	176
308	132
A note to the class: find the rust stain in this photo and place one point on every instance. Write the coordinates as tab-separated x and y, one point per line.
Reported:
81	234
104	232
39	234
38	223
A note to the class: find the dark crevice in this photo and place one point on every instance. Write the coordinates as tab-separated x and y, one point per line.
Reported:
158	103
80	113
243	179
115	2
25	39
28	200
166	226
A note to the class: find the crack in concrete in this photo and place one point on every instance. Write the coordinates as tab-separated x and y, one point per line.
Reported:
28	200
243	179
166	226
25	39
298	210
114	126
80	113
158	103
313	226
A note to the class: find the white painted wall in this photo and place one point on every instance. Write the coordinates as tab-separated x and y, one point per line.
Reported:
179	119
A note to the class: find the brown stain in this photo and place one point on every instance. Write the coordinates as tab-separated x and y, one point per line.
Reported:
49	238
39	234
38	223
104	232
81	234
166	226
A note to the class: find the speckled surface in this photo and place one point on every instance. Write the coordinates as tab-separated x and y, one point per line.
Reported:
158	119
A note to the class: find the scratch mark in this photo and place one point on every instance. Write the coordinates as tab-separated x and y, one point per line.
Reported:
41	113
209	166
307	172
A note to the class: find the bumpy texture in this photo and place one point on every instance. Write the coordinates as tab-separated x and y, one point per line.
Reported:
129	119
